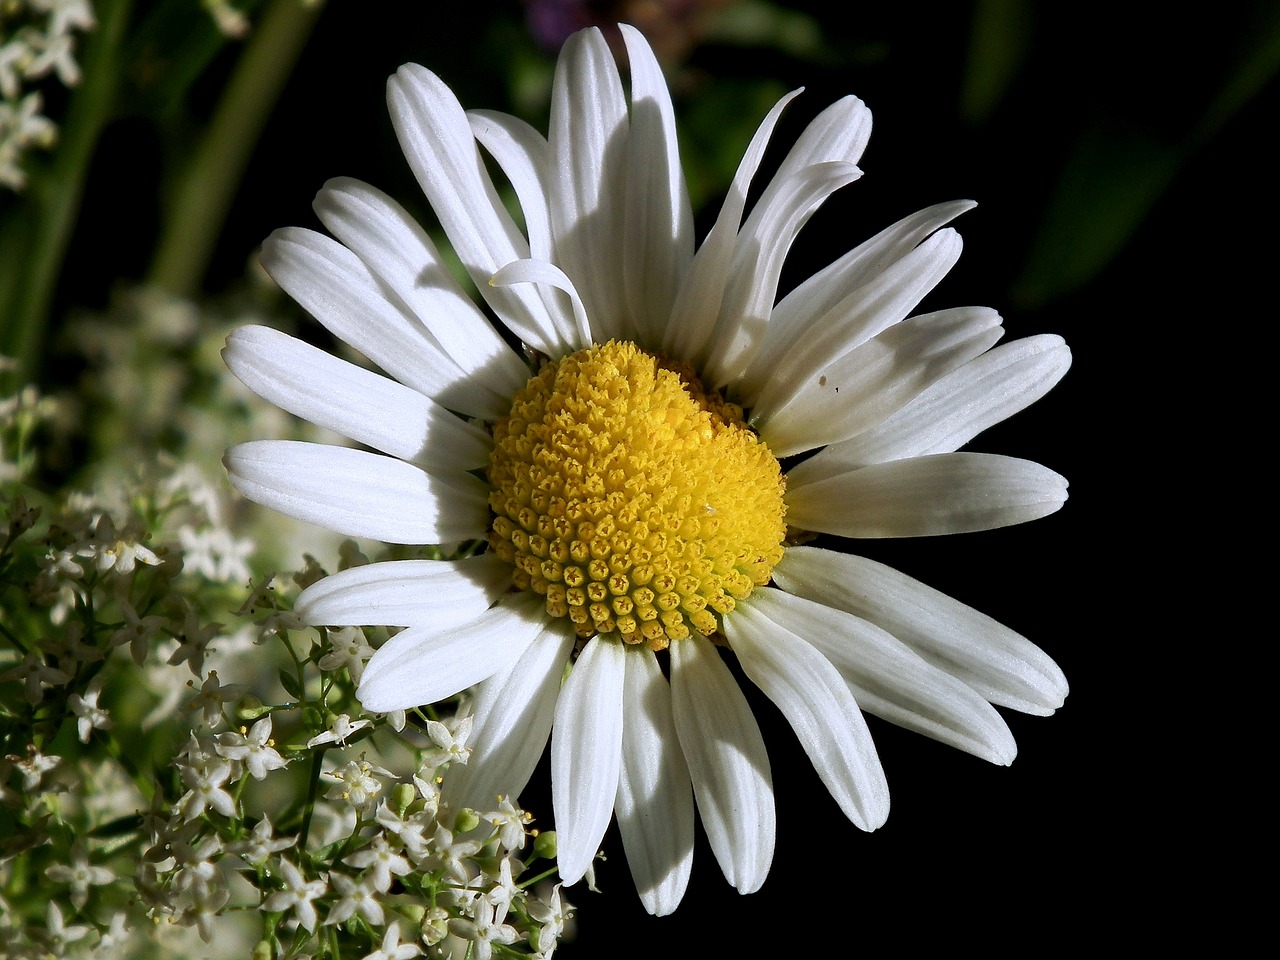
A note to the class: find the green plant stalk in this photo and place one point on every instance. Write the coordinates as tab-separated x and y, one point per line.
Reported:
198	207
34	239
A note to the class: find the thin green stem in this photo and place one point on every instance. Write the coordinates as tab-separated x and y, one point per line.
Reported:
34	238
198	206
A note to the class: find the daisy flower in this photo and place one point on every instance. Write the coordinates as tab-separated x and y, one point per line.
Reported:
642	435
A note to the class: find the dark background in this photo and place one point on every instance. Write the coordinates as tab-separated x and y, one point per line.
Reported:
1118	171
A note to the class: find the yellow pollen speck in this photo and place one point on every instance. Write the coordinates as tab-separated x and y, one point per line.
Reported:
635	500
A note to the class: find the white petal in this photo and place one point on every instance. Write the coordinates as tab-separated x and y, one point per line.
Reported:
404	593
697	306
588	138
357	403
840	132
926	496
547	273
658	236
759	253
855	391
890	680
398	252
524	156
437	140
513	713
872	308
727	762
815	297
655	797
333	285
819	706
359	494
951	411
586	754
421	665
1003	666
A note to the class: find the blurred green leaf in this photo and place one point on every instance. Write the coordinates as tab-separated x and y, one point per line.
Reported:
1115	174
999	42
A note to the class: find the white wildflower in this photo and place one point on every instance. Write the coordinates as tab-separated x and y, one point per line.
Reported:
79	875
484	929
554	916
338	732
89	715
260	844
356	896
296	895
450	738
358	782
392	948
380	862
349	651
254	748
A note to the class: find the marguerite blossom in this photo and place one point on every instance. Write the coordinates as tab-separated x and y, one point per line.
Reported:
642	469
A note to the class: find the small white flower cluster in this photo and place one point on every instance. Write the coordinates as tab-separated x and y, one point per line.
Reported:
43	42
170	799
154	379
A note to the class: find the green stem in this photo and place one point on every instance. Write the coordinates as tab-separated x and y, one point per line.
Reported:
313	781
34	238
198	206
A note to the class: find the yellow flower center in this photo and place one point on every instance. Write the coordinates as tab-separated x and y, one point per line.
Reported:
635	500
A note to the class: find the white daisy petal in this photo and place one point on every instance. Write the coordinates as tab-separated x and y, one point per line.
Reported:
513	712
423	665
544	272
952	410
658	238
1002	665
757	264
818	295
875	307
698	303
860	389
398	251
400	593
655	797
586	754
727	762
525	157
839	132
588	139
358	494
357	403
335	287
926	496
887	678
437	140
817	703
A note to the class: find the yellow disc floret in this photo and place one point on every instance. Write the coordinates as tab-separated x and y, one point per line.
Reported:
636	501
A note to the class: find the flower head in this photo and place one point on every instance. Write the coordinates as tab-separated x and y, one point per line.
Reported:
643	473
